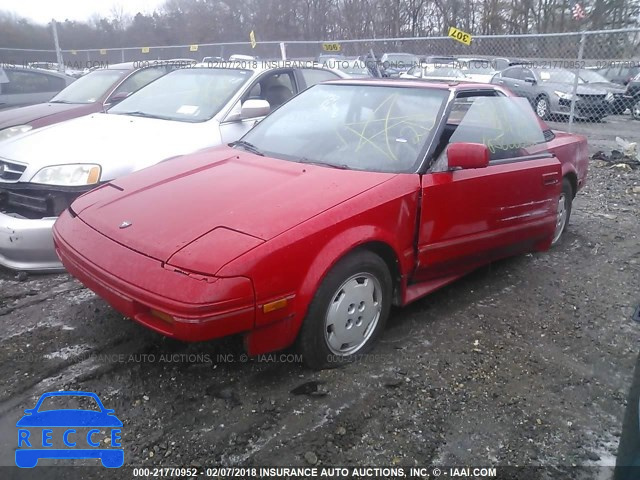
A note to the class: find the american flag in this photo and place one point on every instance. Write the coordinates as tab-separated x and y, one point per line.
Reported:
577	11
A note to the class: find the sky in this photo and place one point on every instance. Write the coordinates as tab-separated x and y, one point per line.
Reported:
42	11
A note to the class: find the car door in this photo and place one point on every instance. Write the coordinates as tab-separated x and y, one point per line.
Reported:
276	87
510	78
473	216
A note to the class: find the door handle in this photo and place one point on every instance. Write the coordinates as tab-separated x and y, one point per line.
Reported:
549	179
516	84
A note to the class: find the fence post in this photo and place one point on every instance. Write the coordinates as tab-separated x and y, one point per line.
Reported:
283	50
57	45
574	90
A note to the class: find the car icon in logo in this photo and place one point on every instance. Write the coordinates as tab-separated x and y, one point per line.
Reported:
69	433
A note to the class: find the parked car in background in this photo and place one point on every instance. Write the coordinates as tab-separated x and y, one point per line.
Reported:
213	60
393	64
354	68
477	69
242	58
431	71
617	96
73	72
330	57
186	110
319	219
633	91
94	92
25	86
621	73
550	92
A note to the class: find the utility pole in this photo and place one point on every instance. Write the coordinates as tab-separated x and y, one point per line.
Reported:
57	45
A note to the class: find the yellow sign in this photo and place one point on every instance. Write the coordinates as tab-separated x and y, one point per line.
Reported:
460	36
145	49
331	47
193	48
103	51
252	38
73	52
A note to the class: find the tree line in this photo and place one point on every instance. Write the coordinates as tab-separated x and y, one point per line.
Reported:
211	21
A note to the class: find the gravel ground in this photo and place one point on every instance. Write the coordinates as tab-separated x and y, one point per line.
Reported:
524	362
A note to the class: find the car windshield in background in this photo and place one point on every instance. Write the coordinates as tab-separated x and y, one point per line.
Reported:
557	76
443	72
89	88
402	60
353	68
374	128
186	95
483	67
590	76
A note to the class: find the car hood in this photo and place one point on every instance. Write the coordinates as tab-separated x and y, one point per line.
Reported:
119	143
31	113
608	87
581	90
223	189
69	418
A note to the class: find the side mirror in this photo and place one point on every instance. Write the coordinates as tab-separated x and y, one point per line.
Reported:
117	98
254	108
530	80
467	155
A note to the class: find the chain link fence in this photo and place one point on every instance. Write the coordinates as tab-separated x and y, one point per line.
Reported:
560	73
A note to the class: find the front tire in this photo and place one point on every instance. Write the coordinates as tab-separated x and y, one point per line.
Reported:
543	107
348	311
563	212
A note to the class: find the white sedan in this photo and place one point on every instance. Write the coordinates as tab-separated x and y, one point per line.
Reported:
43	171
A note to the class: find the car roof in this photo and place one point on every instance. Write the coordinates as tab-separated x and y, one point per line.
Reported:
39	70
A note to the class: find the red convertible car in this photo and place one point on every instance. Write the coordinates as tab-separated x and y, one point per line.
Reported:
353	196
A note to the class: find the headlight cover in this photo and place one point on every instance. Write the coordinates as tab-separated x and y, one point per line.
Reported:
609	96
73	175
12	131
563	95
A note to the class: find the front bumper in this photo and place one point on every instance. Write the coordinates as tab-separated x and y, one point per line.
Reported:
27	244
584	109
170	301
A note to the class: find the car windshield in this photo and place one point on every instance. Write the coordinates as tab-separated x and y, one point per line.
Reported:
442	72
353	68
358	127
591	76
186	95
483	67
557	76
401	60
90	88
69	402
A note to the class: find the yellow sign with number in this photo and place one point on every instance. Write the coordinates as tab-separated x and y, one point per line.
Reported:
252	39
193	48
145	49
460	36
103	51
331	47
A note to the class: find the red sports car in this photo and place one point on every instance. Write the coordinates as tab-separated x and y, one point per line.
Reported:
353	196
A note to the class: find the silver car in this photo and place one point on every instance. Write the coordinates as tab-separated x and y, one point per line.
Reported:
44	170
550	92
21	86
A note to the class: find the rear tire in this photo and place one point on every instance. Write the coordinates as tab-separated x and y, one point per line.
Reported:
348	311
635	110
565	203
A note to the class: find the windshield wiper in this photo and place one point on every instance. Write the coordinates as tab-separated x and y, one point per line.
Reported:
323	164
138	113
62	101
250	147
